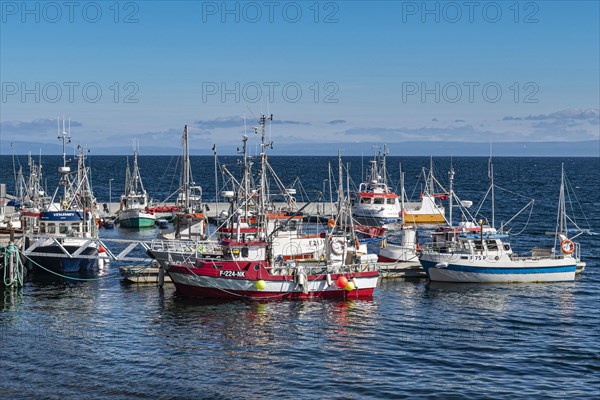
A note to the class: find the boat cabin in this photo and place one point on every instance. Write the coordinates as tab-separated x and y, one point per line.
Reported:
65	223
244	251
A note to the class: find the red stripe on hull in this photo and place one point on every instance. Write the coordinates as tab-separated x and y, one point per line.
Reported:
205	292
381	258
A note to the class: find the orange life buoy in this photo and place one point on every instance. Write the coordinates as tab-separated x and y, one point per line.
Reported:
567	246
331	223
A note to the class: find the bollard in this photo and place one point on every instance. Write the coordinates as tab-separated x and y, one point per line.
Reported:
161	276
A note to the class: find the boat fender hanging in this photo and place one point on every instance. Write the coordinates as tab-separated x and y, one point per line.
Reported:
567	246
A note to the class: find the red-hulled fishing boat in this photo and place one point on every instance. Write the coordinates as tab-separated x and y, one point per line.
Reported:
245	272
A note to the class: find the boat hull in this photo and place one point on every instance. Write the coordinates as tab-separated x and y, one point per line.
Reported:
63	264
520	273
135	219
436	218
137	274
191	284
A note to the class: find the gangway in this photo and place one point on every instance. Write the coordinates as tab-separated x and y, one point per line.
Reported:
115	249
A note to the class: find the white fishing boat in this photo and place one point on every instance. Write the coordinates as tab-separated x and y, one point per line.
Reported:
133	211
375	203
400	259
457	256
9	217
68	224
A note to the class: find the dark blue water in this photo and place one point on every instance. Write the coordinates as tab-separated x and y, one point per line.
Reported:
105	339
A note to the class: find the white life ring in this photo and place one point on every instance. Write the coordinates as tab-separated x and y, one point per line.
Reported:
567	246
337	246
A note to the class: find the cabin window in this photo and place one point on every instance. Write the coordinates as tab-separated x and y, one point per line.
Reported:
492	245
75	227
43	228
63	228
365	200
293	225
51	228
391	201
478	245
245	252
378	200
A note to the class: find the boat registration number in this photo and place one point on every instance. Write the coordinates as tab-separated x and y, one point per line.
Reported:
232	273
479	258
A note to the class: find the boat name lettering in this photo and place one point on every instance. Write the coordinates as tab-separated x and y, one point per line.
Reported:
479	258
239	274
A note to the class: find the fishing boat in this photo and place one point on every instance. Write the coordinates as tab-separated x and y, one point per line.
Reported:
249	267
67	226
400	259
428	210
245	272
190	221
375	203
282	222
134	201
466	257
9	218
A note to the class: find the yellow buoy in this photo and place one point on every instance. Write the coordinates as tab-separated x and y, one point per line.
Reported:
261	285
350	286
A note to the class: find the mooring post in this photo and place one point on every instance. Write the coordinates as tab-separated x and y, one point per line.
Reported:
161	276
11	263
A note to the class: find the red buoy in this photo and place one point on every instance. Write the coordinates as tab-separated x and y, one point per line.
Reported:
341	282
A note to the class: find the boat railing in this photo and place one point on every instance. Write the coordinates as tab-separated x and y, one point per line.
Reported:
184	246
291	267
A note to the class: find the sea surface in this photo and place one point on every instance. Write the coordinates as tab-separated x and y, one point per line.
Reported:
104	339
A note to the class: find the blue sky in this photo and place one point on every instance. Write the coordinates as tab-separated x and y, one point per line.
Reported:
338	72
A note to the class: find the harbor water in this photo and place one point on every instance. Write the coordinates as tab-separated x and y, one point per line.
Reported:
102	338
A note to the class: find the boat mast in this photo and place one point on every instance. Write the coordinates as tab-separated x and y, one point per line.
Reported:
246	183
329	176
402	195
186	171
263	171
562	217
340	181
384	166
491	178
451	194
66	138
214	148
